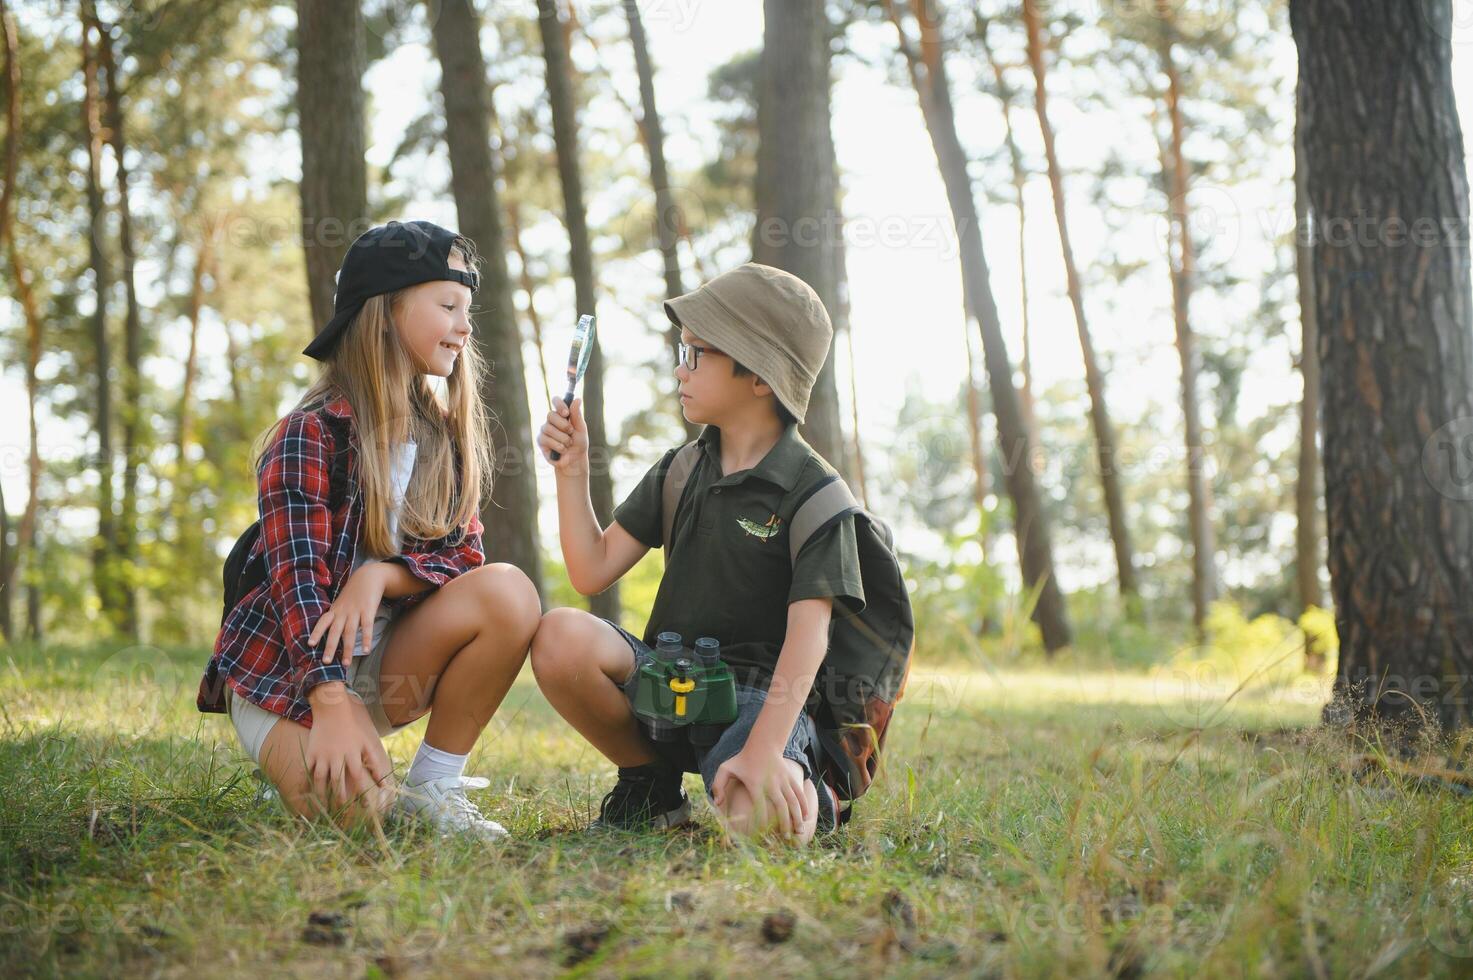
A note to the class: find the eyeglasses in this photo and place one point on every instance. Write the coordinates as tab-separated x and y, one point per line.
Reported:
690	355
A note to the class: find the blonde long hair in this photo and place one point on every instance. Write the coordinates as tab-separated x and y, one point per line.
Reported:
392	402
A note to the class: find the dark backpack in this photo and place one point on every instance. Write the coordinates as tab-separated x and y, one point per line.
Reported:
245	566
864	674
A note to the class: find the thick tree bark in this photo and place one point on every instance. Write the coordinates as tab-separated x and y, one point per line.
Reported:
1030	523
510	511
798	220
132	402
565	135
331	59
1182	257
1307	558
667	214
105	548
1094	379
1388	192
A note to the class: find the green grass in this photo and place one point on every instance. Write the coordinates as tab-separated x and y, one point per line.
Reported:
1048	822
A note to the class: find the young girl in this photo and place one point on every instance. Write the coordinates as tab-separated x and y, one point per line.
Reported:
377	606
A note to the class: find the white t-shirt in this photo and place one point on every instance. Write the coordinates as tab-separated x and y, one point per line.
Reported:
403	469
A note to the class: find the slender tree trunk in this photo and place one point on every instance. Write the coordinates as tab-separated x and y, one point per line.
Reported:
1384	154
331	59
132	403
798	220
1020	185
565	135
1030	522
843	327
513	215
232	351
7	583
191	362
1184	271
511	508
9	556
1104	430
667	226
184	536
981	479
1307	560
105	548
856	446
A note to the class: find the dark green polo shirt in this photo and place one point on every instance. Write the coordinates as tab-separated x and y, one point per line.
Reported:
728	574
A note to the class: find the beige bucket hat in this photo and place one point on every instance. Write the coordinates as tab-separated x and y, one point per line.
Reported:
769	320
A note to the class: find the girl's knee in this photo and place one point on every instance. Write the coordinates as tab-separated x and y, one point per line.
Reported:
510	596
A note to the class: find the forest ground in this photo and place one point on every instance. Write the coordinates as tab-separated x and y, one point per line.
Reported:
1066	820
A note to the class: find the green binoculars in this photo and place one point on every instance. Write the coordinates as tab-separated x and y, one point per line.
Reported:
684	694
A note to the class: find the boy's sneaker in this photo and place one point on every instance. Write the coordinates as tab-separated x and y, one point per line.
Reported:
444	805
645	797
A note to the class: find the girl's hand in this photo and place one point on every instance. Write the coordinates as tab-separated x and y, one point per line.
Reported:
345	759
777	793
565	433
352	612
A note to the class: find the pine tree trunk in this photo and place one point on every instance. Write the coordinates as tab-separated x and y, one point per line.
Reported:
132	402
1030	522
1020	183
510	511
667	223
9	554
981	478
7	587
1094	379
1307	559
331	59
514	223
185	430
798	221
565	135
1388	191
105	548
1183	259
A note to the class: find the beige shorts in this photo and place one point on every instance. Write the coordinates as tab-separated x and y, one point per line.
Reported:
253	722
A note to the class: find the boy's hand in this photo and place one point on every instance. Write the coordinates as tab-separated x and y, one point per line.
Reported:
352	612
776	791
565	433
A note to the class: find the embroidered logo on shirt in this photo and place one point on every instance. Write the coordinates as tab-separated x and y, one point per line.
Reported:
761	531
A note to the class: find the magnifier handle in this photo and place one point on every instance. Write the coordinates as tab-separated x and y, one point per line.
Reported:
568	401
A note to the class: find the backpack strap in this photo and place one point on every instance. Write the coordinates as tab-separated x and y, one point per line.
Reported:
677	475
337	483
832	499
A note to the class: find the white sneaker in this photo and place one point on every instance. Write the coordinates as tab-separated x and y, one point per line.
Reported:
444	804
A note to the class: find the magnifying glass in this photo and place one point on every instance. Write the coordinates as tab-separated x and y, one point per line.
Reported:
578	356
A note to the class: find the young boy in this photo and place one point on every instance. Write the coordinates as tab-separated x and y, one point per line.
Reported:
752	343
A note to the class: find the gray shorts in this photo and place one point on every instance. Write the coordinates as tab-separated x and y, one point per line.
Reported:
253	722
802	748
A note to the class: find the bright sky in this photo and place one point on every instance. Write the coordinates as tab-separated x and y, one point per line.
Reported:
903	270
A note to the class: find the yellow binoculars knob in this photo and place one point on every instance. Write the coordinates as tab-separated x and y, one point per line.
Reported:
681	686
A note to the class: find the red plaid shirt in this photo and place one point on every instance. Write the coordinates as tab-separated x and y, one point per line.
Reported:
262	650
